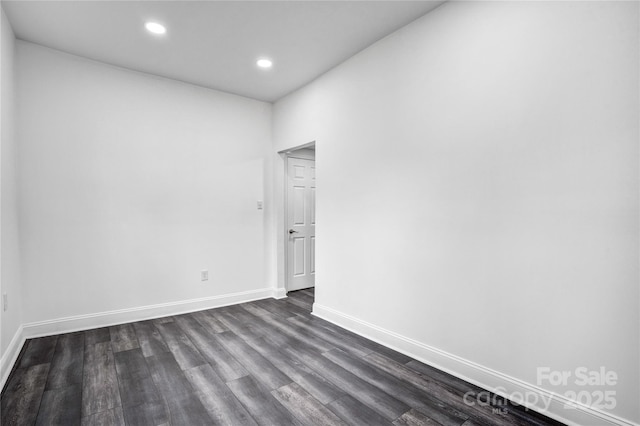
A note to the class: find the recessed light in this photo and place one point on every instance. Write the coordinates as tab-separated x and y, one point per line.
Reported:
264	63
154	27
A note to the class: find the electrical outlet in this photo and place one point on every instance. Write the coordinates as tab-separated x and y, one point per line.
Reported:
204	275
260	205
5	301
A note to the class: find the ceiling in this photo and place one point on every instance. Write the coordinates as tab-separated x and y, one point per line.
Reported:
215	44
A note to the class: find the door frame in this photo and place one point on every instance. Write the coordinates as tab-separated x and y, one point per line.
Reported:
301	151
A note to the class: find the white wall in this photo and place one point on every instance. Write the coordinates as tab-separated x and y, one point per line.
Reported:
478	191
131	184
10	249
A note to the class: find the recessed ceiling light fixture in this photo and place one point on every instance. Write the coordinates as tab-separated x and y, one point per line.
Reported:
264	63
155	28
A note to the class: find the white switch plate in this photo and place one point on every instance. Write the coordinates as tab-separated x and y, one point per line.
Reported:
204	275
5	301
260	205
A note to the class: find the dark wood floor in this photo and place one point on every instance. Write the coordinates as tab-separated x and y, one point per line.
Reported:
267	362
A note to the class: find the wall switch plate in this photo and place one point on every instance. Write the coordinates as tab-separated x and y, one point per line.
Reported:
5	301
260	205
204	275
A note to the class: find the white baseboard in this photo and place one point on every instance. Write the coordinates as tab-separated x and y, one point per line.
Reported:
280	293
548	403
10	356
121	316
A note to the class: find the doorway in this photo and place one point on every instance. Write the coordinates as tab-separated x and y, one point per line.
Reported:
300	217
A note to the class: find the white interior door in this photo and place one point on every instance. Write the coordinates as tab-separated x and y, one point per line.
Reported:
301	223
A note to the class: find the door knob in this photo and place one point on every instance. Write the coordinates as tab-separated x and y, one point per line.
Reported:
291	231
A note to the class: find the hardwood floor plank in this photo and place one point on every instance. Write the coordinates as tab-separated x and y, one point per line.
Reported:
149	338
321	389
39	351
222	362
441	391
254	309
187	321
524	416
221	404
97	335
264	407
270	306
167	376
292	367
22	396
24	411
422	381
138	391
132	364
264	329
458	386
257	365
180	397
59	406
299	303
472	423
305	407
279	308
67	363
162	320
113	417
292	308
414	418
274	336
246	329
236	314
385	404
287	328
304	295
209	321
100	383
403	391
134	379
123	337
310	297
355	413
188	410
283	362
149	413
335	339
183	350
363	341
382	350
25	380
